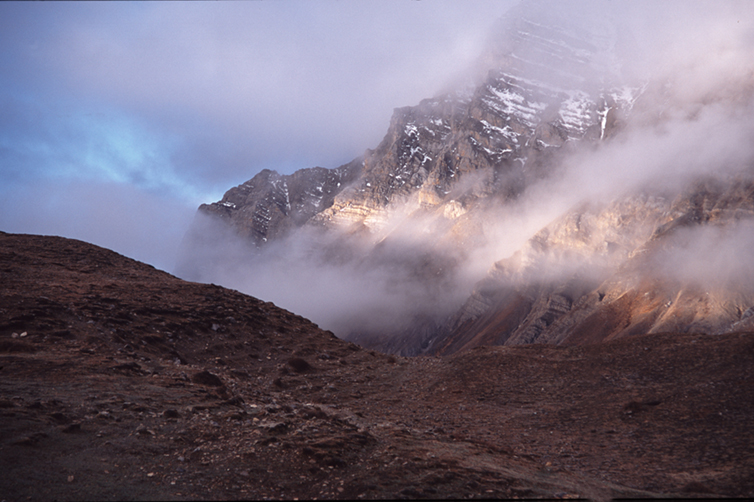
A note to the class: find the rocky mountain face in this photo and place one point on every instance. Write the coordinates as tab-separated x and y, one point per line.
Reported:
438	201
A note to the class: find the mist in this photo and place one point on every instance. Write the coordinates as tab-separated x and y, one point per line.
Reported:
692	119
710	257
338	281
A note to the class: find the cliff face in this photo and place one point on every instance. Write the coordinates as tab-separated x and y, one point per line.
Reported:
556	199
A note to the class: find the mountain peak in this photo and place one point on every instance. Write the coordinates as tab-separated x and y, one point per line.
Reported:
515	209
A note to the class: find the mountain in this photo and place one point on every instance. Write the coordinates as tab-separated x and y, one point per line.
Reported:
565	193
120	381
501	131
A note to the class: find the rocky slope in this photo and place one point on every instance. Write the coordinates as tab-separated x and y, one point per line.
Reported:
467	184
120	381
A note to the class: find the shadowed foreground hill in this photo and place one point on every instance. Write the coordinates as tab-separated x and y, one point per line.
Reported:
118	381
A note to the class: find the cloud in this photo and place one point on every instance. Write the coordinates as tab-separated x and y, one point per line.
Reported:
139	224
285	85
341	283
184	100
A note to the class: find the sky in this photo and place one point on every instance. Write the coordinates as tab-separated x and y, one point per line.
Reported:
117	119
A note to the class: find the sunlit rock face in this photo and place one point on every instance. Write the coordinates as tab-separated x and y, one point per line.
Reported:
557	196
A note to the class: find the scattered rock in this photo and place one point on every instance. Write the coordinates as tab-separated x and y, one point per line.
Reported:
273	426
72	428
60	418
300	365
29	440
132	367
171	413
207	378
235	401
10	346
142	429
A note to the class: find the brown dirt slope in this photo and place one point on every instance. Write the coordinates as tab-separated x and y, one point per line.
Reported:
118	381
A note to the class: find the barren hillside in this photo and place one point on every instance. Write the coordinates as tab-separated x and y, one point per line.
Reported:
120	381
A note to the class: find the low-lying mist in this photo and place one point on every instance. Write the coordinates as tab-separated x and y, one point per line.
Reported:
342	281
710	256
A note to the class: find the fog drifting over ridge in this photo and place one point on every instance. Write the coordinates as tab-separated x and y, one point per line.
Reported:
693	120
